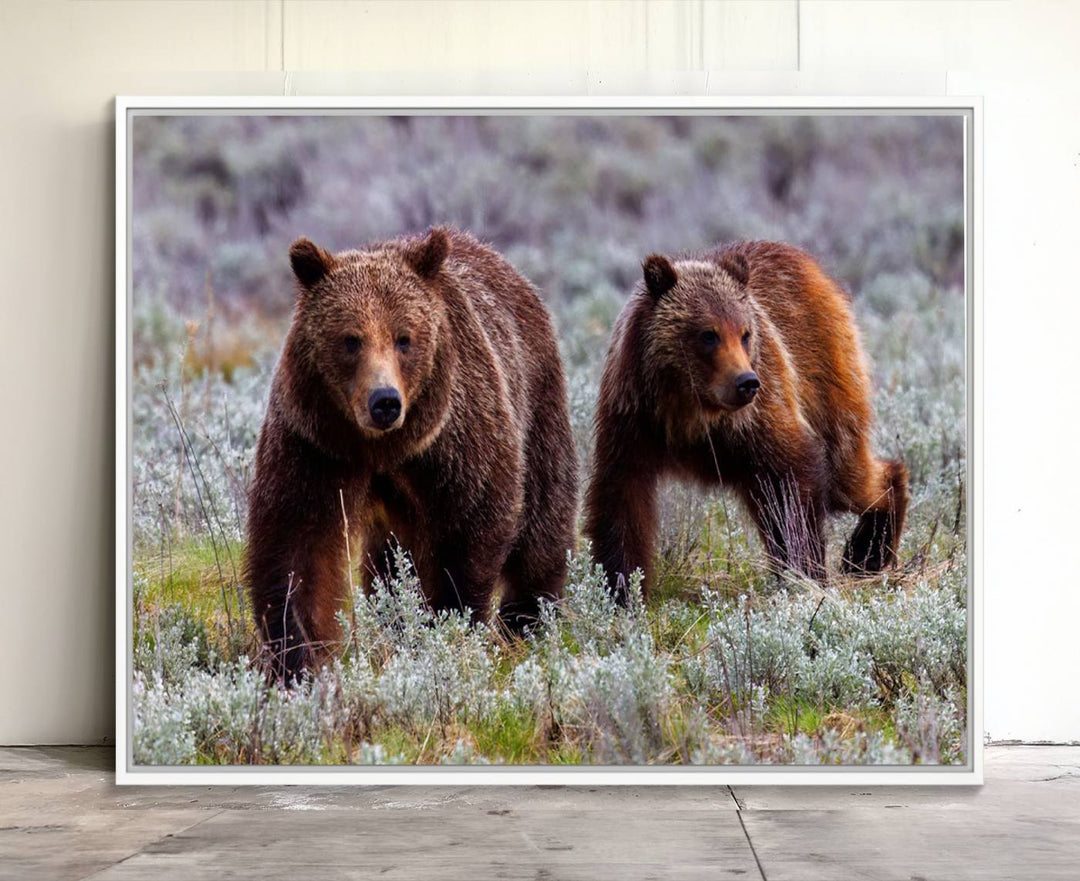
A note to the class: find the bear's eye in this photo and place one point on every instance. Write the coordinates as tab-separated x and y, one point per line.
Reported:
710	337
352	344
403	342
746	338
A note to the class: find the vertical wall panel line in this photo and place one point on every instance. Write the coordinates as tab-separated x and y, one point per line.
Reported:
798	34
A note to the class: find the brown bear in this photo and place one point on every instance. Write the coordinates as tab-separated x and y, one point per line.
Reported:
421	399
741	367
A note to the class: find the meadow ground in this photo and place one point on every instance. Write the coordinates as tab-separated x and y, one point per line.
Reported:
726	664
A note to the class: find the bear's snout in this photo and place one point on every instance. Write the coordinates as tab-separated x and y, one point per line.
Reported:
747	386
384	405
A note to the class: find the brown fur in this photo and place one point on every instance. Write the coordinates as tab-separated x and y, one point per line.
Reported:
798	451
476	479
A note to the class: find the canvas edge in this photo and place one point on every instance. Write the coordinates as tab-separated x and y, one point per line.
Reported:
970	775
121	636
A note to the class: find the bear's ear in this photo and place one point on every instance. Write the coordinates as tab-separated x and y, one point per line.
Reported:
427	255
310	262
736	266
660	275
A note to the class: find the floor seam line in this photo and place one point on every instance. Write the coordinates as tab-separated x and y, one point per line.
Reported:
96	872
753	850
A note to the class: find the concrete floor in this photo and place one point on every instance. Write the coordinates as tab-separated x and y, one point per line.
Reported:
62	818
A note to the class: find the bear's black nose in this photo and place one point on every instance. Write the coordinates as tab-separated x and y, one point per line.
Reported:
384	405
747	386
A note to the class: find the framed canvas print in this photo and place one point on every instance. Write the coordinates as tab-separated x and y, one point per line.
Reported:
569	440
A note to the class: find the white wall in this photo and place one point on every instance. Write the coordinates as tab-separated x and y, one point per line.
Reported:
62	62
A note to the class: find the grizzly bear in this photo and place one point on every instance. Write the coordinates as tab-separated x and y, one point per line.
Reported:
419	399
741	367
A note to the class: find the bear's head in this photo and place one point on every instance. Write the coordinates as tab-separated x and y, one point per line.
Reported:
702	336
370	322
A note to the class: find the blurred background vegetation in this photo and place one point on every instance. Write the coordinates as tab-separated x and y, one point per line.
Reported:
573	202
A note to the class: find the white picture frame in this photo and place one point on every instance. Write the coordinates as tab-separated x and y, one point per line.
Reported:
970	108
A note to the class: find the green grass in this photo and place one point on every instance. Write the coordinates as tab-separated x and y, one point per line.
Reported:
211	600
191	574
510	736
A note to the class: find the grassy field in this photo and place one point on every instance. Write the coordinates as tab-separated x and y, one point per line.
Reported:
726	664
